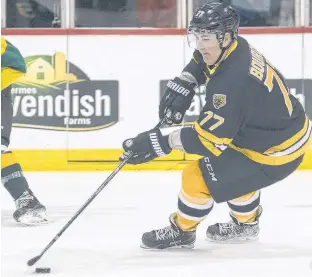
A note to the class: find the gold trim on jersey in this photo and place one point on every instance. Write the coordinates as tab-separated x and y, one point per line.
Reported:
286	144
209	136
209	141
4	45
227	53
193	58
281	157
207	77
9	76
210	146
288	151
231	49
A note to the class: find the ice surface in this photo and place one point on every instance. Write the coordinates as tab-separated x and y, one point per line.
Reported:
105	239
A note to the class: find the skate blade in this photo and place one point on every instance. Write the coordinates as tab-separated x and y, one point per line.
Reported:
234	240
31	220
186	247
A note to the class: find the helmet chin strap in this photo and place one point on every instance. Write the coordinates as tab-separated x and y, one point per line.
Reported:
223	50
219	58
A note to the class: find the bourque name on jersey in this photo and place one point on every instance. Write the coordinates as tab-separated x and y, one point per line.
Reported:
257	65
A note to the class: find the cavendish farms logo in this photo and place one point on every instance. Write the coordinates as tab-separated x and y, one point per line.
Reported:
55	94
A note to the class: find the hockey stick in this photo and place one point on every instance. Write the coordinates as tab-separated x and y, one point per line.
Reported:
32	261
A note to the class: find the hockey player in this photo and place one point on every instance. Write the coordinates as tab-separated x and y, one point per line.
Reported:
29	211
251	133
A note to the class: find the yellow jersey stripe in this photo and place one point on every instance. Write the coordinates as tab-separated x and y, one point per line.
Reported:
227	53
209	136
231	49
274	160
207	144
290	141
9	76
193	58
4	45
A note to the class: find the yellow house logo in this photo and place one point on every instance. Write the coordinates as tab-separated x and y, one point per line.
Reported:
55	94
42	73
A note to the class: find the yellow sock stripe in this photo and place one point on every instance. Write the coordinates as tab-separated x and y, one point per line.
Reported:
7	159
199	199
245	218
186	224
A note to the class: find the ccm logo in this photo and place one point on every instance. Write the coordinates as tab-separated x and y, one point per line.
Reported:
179	89
210	169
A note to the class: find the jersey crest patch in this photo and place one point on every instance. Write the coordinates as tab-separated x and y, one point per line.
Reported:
219	100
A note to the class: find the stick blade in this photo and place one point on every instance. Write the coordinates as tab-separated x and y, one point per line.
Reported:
32	261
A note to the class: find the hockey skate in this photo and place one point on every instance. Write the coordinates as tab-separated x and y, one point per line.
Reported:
169	237
234	231
29	211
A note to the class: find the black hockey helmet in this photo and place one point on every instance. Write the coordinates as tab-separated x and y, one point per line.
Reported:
215	17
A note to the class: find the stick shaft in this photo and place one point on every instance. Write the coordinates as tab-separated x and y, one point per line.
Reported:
87	203
91	198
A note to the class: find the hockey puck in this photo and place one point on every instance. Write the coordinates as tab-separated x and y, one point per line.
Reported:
43	270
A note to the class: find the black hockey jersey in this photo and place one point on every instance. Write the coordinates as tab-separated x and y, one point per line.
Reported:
248	108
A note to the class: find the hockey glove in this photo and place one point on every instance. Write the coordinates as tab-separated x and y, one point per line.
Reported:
147	146
176	100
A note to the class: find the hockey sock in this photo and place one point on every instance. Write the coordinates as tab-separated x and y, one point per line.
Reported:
12	175
244	208
195	201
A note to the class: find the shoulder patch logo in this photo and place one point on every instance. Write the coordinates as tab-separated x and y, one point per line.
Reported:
219	100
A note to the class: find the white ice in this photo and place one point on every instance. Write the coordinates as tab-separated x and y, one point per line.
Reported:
104	240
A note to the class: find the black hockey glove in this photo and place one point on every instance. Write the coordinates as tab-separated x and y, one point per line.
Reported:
177	99
147	146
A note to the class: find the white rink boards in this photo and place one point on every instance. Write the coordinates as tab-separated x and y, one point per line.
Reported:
105	239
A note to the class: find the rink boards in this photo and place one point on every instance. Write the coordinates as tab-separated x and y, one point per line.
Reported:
82	96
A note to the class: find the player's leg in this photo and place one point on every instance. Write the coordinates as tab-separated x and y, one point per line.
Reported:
245	212
28	209
194	204
234	178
